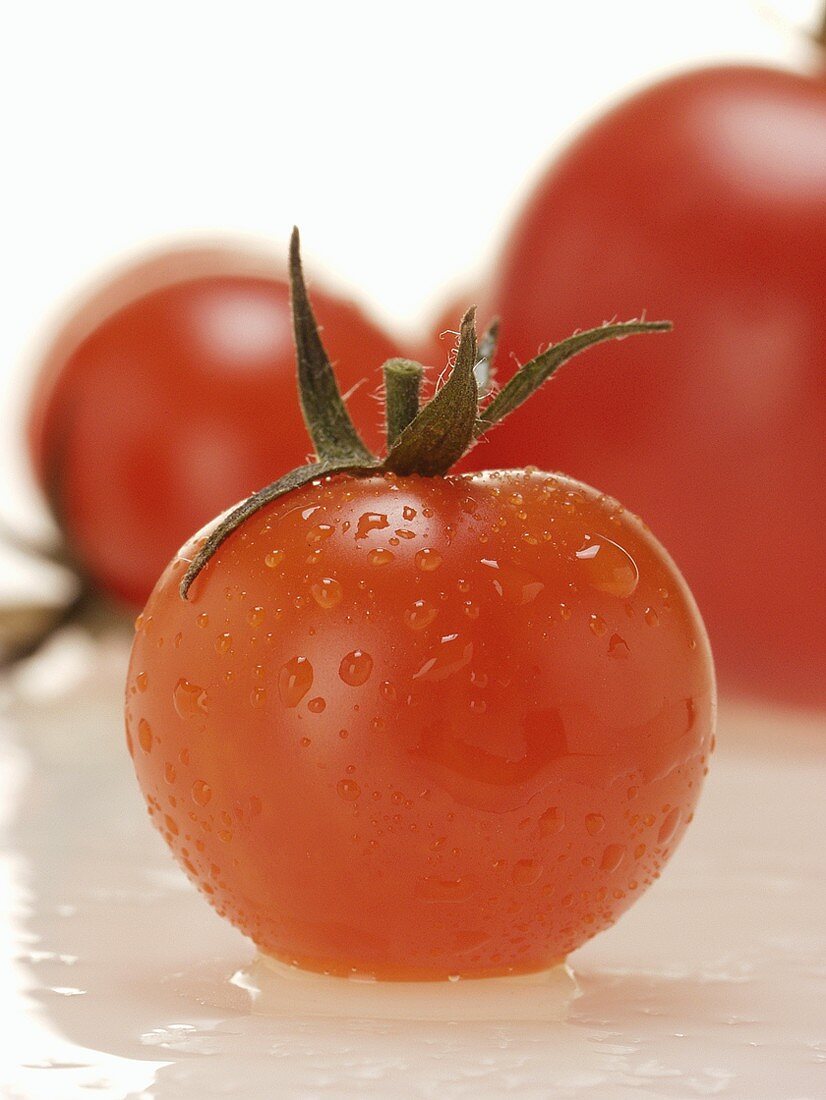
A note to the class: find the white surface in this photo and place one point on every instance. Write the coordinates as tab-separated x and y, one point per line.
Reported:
117	975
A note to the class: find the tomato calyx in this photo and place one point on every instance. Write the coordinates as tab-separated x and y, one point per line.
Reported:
426	440
441	432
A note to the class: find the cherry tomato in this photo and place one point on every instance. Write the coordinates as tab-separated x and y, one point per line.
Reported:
424	727
701	199
159	405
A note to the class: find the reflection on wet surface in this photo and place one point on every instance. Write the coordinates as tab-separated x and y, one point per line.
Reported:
123	982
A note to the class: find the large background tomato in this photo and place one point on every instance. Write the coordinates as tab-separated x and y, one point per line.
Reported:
159	406
702	199
418	727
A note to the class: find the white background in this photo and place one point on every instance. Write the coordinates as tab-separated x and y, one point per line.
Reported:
398	136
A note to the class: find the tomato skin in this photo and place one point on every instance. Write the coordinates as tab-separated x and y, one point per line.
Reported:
157	409
401	728
700	199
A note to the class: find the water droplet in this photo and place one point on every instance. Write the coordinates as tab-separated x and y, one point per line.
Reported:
355	668
319	534
223	643
608	568
612	857
327	593
420	615
594	823
387	690
258	696
348	789
295	678
141	682
380	556
669	826
433	888
201	792
145	735
526	872
428	560
169	772
170	824
370	521
552	821
317	705
598	625
639	851
274	559
203	620
617	646
564	612
189	699
452	654
408	512
256	616
651	617
139	622
514	584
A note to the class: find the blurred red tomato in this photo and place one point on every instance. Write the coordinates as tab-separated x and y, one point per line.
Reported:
701	199
170	394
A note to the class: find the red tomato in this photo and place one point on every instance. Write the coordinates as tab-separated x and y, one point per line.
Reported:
159	405
701	199
421	727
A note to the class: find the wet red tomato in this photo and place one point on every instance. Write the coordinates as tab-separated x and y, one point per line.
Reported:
172	393
420	727
701	199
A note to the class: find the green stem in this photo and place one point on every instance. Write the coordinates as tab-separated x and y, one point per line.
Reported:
443	430
422	441
402	386
332	431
